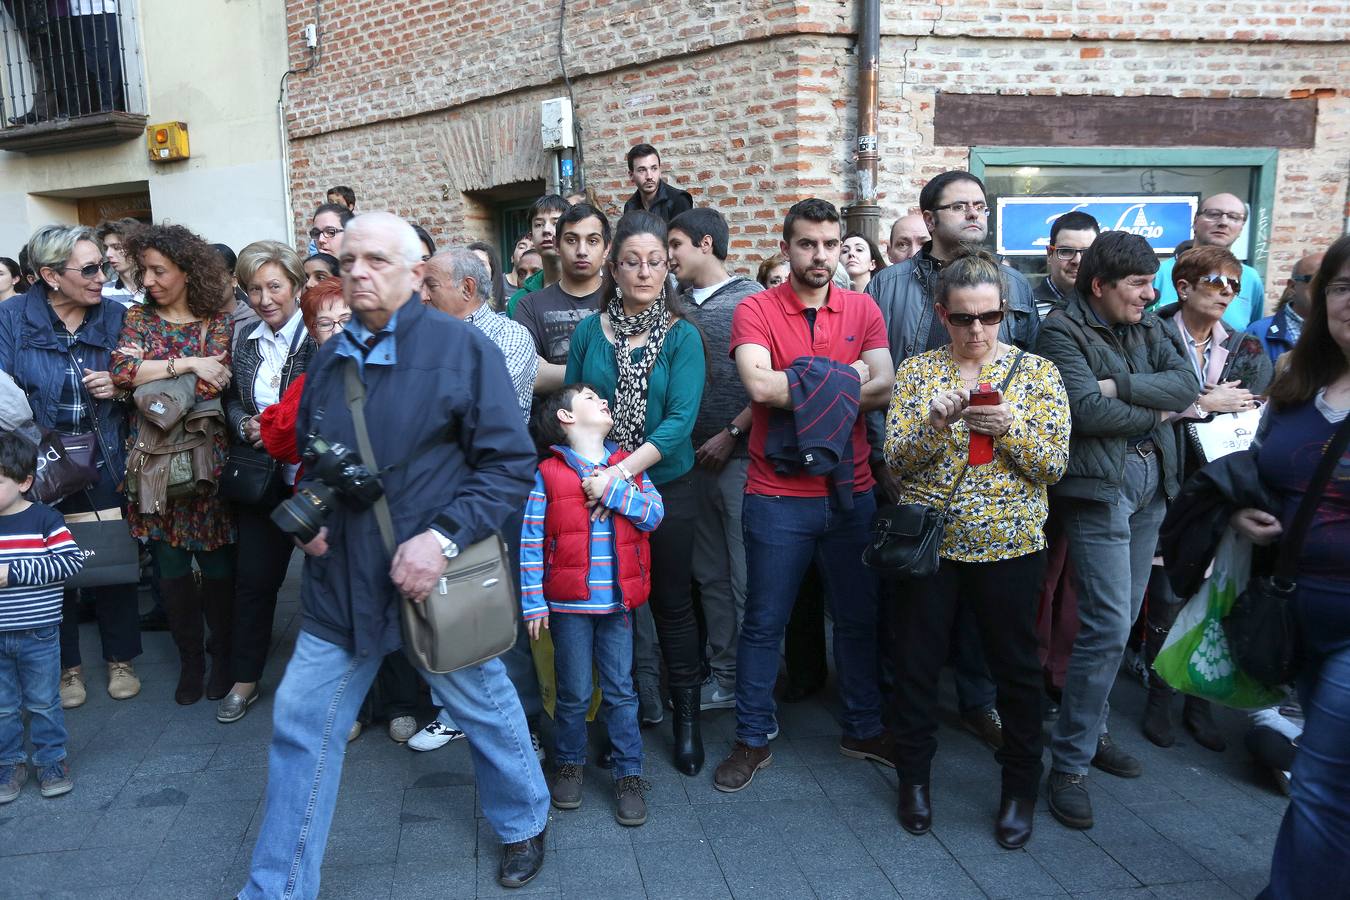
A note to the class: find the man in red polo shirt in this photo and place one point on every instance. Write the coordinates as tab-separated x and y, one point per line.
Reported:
790	518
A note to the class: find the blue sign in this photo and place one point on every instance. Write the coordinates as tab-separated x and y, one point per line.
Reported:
1023	227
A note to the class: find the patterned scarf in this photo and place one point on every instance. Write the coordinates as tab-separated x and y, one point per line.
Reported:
630	394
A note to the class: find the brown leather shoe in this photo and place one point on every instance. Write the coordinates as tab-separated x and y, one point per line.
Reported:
915	811
1015	815
878	749
739	768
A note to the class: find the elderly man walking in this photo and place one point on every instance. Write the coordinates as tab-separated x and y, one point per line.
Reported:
427	376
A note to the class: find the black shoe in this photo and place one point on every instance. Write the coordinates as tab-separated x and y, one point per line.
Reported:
985	725
522	861
155	620
1198	717
1158	716
688	736
1015	816
28	118
1114	761
1069	800
915	810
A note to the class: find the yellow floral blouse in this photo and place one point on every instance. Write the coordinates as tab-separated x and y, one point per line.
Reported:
999	511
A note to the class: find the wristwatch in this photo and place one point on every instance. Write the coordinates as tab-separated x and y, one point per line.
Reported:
448	547
735	431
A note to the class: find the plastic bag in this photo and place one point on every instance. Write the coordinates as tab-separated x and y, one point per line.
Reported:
1196	659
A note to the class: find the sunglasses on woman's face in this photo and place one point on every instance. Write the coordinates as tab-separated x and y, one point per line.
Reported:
90	272
965	320
1222	281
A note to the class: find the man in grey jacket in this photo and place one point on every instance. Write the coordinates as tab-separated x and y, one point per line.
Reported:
709	295
1124	372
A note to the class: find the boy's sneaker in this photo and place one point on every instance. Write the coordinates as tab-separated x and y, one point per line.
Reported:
54	780
631	808
434	736
72	689
714	696
566	788
12	779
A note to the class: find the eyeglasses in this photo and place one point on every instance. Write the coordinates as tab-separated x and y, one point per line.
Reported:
965	320
1218	215
1222	281
91	271
961	207
1301	279
634	265
329	232
328	326
1067	253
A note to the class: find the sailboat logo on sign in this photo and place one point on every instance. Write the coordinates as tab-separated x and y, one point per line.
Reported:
1140	226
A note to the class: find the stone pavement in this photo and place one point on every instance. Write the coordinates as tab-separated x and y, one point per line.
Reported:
167	804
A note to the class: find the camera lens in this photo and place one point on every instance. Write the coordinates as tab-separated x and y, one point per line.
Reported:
304	514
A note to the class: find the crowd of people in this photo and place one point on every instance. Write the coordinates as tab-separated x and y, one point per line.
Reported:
687	465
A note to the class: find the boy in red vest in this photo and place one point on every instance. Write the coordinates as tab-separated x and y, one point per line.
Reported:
585	564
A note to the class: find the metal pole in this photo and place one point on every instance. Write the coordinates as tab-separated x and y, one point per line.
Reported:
863	215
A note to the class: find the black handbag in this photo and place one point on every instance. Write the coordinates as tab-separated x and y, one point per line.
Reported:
65	466
1261	628
906	537
250	474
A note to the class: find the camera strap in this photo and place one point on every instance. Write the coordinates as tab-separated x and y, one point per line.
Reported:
356	402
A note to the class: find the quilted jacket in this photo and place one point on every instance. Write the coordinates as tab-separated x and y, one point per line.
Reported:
1151	372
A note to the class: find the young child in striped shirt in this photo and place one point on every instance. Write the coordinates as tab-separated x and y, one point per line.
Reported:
585	564
37	555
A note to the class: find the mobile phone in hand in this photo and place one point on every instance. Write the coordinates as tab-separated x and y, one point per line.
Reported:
982	445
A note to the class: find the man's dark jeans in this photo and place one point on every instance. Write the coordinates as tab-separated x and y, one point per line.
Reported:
782	535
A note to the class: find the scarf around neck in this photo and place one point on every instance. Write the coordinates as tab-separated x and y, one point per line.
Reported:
630	393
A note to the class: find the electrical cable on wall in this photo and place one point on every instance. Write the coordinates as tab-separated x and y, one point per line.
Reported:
315	54
567	80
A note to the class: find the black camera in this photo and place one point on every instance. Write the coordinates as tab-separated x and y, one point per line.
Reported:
342	475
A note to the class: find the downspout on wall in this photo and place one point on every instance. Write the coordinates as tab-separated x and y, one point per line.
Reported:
863	214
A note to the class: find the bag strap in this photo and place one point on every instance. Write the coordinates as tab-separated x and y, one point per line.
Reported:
1286	565
951	495
93	414
356	401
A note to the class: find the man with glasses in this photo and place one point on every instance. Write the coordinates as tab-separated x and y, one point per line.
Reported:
1218	222
1124	373
956	215
328	224
1070	236
1279	333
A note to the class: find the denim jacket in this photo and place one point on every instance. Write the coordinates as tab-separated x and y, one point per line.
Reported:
31	354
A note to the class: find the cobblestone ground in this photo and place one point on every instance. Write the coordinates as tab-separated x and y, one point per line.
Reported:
167	804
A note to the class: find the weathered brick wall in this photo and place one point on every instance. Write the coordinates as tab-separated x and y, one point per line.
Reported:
751	103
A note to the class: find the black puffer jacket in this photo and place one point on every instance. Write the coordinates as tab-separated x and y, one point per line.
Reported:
1151	372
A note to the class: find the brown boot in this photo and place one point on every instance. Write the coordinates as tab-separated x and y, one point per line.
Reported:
740	766
218	602
183	604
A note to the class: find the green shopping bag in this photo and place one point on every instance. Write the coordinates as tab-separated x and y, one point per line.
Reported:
1195	659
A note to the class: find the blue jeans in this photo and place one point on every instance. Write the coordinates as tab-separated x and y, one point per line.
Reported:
1312	851
316	705
1112	546
30	679
782	534
579	640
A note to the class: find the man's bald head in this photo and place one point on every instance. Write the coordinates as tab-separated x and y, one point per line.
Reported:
381	265
1219	220
1296	293
908	235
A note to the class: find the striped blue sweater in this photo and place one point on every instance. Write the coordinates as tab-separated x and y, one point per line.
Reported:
41	555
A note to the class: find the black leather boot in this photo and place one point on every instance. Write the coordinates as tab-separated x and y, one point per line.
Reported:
914	809
1158	712
1198	717
218	604
183	604
688	736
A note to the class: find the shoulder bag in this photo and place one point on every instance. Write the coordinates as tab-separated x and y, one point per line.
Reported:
250	474
1261	629
906	537
471	615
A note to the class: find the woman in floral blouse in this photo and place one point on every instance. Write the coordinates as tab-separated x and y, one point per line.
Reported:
993	551
184	326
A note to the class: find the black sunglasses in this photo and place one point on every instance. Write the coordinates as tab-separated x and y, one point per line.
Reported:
965	320
90	271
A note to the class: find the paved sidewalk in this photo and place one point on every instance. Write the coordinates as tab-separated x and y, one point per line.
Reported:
167	804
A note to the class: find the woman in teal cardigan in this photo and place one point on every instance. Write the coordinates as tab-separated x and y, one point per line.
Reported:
648	362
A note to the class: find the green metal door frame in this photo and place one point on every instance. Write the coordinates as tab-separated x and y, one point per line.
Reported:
1263	160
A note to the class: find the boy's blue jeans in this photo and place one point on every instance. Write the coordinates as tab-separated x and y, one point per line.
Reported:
30	679
316	705
606	640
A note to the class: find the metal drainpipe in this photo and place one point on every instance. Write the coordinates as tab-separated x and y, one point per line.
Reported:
864	215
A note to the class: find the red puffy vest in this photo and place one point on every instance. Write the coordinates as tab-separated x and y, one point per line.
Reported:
567	540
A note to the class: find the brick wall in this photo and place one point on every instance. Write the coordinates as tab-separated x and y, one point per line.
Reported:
750	101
